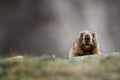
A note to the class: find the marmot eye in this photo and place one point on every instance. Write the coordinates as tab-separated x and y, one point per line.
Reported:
94	35
80	39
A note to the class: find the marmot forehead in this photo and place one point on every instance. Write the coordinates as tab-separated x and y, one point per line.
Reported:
84	33
87	33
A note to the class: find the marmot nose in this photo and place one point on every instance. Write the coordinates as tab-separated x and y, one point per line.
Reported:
87	38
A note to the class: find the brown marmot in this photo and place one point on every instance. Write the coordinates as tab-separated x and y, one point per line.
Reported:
85	44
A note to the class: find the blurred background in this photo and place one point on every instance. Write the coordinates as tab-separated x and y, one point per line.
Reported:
38	27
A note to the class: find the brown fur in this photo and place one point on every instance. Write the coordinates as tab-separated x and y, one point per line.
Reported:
80	49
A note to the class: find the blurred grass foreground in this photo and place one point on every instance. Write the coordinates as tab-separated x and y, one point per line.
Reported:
82	68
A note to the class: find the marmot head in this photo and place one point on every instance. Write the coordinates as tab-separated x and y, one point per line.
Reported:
87	39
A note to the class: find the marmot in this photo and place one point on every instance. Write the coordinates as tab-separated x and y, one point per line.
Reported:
85	44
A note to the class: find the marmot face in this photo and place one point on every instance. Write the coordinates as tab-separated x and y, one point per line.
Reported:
87	40
85	44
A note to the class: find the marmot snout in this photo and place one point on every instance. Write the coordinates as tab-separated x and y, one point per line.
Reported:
86	44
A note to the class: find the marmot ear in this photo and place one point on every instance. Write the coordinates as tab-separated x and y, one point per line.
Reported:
81	34
94	34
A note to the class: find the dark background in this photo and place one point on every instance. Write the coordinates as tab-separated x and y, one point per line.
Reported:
37	27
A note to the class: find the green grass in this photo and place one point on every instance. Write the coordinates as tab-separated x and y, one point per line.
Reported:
88	68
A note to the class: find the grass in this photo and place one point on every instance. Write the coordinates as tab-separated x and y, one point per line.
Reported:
88	68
